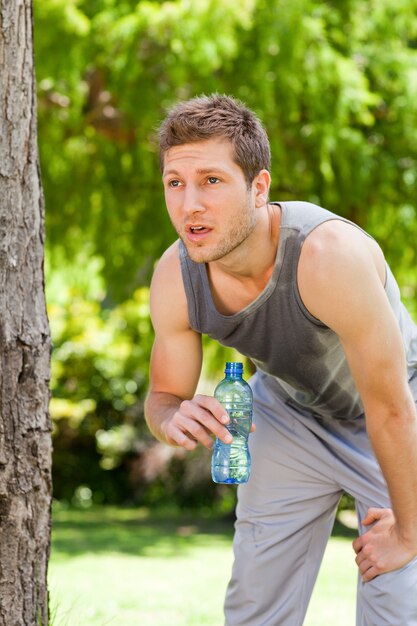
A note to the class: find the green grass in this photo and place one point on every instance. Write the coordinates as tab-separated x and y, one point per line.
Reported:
334	596
125	567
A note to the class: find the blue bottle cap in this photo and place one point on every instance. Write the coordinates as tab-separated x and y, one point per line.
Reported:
233	367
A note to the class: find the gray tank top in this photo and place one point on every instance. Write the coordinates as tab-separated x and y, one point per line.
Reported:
302	358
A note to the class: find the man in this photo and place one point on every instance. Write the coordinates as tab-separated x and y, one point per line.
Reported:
306	295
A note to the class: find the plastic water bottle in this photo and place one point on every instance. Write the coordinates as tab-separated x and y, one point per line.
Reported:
231	462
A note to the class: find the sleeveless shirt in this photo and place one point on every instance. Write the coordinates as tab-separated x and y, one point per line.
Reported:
302	358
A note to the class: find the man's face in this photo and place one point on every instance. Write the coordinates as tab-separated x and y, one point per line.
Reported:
208	199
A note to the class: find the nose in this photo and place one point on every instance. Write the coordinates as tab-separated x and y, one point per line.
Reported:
192	201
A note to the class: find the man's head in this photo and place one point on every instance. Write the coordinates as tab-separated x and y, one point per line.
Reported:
218	116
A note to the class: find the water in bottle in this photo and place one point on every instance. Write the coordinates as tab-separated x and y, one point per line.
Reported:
231	462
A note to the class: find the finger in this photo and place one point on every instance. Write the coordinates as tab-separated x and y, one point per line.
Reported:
370	574
179	433
214	407
364	566
188	434
219	431
198	432
367	568
372	516
357	544
176	437
363	561
217	409
192	410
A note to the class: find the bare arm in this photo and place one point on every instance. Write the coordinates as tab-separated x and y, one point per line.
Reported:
341	282
172	411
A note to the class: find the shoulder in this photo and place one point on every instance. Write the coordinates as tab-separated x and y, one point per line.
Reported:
335	243
168	301
337	261
168	268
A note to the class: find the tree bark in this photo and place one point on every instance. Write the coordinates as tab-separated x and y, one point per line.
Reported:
25	431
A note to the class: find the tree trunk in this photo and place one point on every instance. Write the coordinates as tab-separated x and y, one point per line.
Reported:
25	432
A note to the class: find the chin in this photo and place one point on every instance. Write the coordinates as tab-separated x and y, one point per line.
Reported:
204	253
196	254
199	256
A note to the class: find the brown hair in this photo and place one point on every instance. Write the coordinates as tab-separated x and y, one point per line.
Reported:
205	117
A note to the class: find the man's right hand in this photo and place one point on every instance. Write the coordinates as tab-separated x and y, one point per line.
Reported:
197	421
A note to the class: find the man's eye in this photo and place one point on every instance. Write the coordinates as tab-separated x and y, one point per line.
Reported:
174	183
213	180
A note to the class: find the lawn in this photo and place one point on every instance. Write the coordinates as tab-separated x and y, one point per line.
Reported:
128	567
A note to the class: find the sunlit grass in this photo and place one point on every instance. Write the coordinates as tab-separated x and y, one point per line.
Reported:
113	567
334	598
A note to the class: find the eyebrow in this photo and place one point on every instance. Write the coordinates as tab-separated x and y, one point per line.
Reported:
215	169
205	170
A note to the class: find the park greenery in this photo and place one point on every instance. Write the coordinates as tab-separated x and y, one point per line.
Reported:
123	566
335	84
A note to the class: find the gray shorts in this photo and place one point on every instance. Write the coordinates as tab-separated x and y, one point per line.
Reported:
300	468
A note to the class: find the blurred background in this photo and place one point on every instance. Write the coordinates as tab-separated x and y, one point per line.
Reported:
335	84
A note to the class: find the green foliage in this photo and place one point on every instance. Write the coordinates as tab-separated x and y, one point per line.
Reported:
335	84
99	379
103	451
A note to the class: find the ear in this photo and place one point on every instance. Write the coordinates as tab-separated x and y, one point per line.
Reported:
260	185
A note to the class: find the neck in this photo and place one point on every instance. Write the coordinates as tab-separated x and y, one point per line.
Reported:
254	258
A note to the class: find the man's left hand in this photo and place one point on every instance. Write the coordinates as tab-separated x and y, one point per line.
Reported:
381	548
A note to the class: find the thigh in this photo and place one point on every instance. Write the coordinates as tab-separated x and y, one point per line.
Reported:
389	599
352	463
285	514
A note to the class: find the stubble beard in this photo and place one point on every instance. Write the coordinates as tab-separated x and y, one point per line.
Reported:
236	235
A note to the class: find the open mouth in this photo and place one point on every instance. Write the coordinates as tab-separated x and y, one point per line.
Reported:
197	233
198	230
